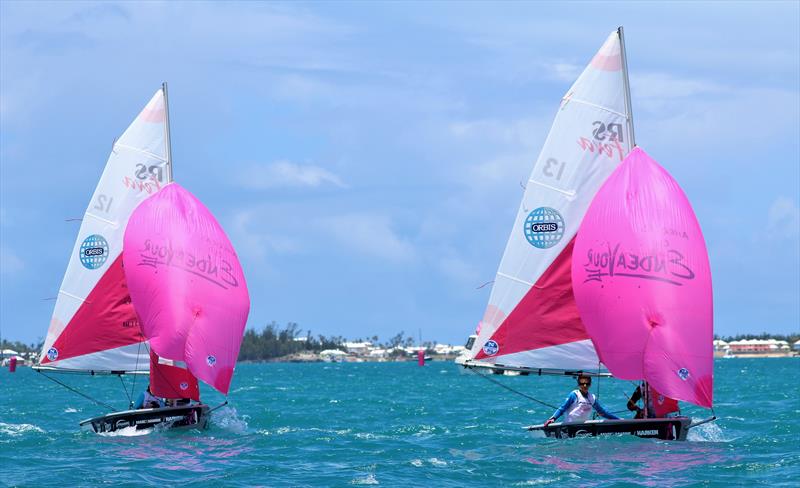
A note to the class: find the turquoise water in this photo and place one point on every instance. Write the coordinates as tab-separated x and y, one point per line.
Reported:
396	424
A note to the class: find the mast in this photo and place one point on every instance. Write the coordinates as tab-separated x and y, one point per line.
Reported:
625	82
167	142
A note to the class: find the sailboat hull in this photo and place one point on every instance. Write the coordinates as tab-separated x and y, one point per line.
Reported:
673	428
189	416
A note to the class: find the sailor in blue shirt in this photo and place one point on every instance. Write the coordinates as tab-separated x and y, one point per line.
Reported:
147	400
579	404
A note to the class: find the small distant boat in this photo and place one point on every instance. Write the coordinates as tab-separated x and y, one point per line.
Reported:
153	286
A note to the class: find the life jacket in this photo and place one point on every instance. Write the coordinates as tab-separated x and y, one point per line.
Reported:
582	407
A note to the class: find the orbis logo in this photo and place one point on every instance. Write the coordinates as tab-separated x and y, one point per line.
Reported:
544	227
93	251
551	227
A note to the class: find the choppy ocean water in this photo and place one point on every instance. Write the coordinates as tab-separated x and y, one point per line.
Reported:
396	424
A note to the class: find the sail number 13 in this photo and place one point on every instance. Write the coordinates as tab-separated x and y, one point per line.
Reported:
554	168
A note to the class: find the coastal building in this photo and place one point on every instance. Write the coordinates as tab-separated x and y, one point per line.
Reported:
358	348
378	353
759	346
721	348
332	355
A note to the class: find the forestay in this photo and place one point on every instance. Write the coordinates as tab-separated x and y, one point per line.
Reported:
187	284
643	282
531	320
94	326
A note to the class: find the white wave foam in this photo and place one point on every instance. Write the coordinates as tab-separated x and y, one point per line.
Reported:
70	410
369	480
710	432
18	429
227	418
130	431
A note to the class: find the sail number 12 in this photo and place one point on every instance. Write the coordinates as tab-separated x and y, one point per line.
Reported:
103	203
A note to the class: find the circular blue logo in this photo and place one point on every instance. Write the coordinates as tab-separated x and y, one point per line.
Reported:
491	348
683	374
94	251
211	361
52	354
544	227
184	385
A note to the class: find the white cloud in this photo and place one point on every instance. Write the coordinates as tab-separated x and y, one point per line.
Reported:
660	86
560	71
783	219
254	241
10	263
520	131
457	269
369	234
287	174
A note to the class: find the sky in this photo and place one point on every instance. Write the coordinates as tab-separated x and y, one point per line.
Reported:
365	158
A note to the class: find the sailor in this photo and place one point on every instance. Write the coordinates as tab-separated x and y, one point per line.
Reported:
147	400
657	405
579	404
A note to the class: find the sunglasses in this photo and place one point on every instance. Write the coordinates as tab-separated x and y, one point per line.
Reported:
585	383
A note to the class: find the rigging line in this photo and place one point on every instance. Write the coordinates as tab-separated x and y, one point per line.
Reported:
487	378
138	350
102	404
125	389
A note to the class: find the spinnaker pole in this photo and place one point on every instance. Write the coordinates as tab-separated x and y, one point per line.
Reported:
167	141
626	84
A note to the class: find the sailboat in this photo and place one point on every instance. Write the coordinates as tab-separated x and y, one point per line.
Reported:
96	327
642	283
533	323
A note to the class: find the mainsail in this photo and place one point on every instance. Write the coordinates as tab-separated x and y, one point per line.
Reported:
187	285
643	283
531	320
94	326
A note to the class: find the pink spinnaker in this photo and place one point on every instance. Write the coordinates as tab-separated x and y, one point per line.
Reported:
642	282
186	284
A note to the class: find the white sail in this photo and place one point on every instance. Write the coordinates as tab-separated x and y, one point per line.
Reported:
94	326
531	320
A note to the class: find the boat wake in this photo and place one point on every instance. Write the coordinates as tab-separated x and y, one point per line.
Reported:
228	419
710	432
130	431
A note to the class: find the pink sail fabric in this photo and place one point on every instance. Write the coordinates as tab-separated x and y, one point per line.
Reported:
186	284
642	282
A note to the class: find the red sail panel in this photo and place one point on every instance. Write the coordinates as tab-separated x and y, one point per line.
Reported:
168	381
105	320
546	316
